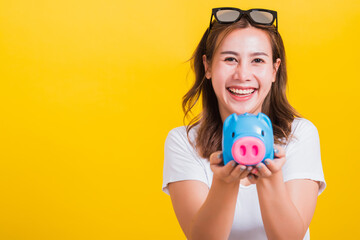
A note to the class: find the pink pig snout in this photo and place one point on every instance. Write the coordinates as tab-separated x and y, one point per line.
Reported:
248	150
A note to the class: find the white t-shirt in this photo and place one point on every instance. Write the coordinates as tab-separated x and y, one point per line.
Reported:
303	161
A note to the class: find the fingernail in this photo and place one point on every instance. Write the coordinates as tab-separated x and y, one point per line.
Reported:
220	155
249	169
266	162
250	176
276	151
232	163
259	166
242	168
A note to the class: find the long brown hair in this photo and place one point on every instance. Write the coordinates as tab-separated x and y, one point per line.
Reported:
275	105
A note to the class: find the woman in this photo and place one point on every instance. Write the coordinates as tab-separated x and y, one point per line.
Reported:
240	67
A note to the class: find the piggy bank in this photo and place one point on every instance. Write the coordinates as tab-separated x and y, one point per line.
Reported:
247	138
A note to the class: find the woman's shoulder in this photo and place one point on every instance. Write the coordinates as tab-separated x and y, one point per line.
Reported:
301	129
300	125
180	133
179	139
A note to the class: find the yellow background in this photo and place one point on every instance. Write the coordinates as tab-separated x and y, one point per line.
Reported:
89	90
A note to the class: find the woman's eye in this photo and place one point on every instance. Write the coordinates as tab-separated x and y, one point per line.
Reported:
230	59
258	60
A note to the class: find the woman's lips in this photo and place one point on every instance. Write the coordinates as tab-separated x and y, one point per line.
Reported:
241	94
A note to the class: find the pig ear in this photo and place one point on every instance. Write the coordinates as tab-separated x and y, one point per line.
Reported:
232	118
266	119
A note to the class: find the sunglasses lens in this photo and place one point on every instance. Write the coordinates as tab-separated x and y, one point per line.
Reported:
262	17
227	15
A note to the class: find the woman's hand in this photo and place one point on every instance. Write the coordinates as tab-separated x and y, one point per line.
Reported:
231	172
270	168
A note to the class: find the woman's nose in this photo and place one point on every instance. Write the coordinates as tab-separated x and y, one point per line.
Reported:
242	72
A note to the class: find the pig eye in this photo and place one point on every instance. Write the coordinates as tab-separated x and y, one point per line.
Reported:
233	134
262	133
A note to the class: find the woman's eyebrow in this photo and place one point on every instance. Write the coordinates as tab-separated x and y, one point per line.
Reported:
251	55
230	52
259	54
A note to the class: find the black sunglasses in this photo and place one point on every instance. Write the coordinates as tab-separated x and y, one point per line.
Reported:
228	15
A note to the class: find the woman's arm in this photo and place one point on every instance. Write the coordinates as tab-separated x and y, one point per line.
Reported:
286	208
204	213
208	213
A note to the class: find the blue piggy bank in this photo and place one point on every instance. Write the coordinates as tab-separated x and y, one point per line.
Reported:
247	138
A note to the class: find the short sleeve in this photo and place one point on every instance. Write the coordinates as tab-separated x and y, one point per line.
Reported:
303	158
181	161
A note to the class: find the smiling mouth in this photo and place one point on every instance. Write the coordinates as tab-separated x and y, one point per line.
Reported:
241	92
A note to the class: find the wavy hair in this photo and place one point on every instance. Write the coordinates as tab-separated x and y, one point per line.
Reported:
275	105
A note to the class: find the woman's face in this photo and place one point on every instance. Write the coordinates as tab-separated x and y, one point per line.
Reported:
242	71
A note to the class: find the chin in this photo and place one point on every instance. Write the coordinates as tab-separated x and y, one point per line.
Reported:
252	111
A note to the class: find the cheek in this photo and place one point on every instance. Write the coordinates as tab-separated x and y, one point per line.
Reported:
217	86
266	88
264	71
267	77
219	77
266	84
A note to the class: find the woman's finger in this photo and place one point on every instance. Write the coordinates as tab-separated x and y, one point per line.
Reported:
238	171
228	168
274	165
252	178
244	172
279	152
264	171
249	168
216	158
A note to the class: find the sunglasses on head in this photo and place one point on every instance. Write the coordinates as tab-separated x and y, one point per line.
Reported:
228	15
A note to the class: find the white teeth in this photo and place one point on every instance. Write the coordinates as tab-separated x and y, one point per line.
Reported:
240	91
